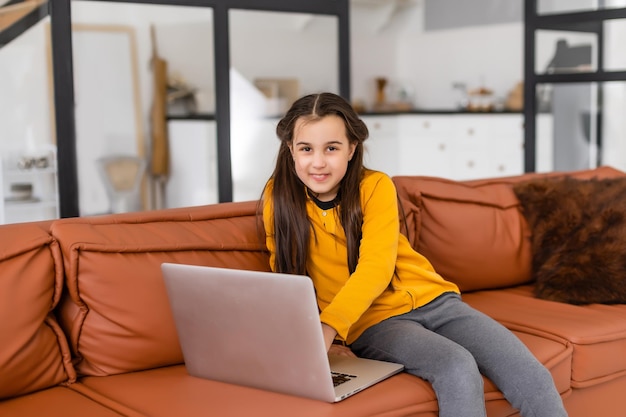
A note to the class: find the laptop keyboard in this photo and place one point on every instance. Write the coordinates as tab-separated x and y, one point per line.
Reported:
339	378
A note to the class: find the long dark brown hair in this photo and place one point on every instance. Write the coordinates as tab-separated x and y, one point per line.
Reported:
292	227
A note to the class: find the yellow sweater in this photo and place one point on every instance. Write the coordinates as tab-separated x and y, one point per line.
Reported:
391	277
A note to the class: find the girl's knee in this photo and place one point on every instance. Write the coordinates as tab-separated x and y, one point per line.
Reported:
459	370
463	368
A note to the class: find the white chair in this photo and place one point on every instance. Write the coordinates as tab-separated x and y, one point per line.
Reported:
122	176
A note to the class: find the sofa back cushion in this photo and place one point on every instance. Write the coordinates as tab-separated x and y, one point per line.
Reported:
116	312
34	353
473	232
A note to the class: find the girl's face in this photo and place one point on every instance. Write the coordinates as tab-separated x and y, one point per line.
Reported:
321	152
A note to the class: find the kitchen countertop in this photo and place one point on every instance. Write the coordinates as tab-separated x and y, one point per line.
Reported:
433	111
211	116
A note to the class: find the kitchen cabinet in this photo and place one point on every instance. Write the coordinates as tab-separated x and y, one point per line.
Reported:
457	146
381	148
425	146
465	146
29	188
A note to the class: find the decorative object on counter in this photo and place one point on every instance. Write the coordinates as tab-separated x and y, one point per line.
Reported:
401	94
480	99
381	98
515	99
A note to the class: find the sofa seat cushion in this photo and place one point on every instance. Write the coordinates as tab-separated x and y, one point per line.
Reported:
33	350
596	333
54	402
554	354
172	391
116	311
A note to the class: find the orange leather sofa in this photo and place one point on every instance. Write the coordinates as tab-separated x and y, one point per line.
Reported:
85	326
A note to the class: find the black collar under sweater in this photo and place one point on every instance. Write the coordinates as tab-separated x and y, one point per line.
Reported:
324	205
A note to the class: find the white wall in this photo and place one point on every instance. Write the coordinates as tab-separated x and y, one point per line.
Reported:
490	56
286	45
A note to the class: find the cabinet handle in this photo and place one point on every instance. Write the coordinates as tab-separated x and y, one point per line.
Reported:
442	146
470	164
376	125
426	125
501	168
470	132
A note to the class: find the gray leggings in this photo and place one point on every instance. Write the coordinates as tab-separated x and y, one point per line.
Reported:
450	344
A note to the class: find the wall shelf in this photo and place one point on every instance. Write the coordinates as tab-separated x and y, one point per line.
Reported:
43	202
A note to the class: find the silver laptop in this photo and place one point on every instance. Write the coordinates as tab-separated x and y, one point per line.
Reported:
261	329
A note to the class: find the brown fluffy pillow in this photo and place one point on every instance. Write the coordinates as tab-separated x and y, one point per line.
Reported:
578	238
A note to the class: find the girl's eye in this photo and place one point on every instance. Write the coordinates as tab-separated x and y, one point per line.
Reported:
332	148
305	149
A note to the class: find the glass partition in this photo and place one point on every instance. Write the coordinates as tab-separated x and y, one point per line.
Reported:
275	57
581	125
144	93
613	125
614	35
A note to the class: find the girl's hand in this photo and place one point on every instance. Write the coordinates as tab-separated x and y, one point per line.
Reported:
332	349
341	350
329	335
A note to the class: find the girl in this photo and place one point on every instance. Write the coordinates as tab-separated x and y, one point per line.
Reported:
328	217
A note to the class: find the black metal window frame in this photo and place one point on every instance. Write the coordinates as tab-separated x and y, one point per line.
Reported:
583	21
63	78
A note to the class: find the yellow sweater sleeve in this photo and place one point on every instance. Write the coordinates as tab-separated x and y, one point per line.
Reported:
377	255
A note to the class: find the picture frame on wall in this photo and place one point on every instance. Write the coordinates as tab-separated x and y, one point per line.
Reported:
108	107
